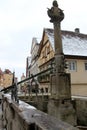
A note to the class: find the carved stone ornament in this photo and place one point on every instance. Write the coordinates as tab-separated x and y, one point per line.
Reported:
55	13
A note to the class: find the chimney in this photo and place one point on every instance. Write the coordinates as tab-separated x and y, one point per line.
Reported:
77	30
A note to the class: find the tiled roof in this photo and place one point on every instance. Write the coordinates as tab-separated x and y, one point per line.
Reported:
7	71
73	43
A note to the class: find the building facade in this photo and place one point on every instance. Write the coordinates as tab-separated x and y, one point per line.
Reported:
75	54
32	62
28	62
5	78
34	56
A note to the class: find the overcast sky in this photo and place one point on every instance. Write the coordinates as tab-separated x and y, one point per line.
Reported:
21	20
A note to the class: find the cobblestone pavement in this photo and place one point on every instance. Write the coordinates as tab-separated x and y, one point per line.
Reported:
0	118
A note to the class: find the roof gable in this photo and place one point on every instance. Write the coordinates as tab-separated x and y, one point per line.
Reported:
73	44
42	42
34	43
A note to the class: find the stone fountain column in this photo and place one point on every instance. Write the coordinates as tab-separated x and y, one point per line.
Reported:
60	104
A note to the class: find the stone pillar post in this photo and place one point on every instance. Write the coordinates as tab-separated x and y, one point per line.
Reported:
60	104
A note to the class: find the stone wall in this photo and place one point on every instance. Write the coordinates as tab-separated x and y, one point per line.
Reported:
40	102
81	111
26	117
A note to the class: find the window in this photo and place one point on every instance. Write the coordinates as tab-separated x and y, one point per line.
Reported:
44	54
46	90
72	65
48	50
85	65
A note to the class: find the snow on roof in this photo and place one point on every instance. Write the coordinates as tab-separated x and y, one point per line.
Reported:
35	42
73	44
50	34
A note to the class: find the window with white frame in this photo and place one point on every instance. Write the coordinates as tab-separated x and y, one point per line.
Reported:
72	65
85	65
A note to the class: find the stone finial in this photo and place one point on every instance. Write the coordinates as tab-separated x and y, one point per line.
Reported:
55	13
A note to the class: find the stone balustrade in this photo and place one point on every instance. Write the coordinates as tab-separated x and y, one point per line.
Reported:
23	116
